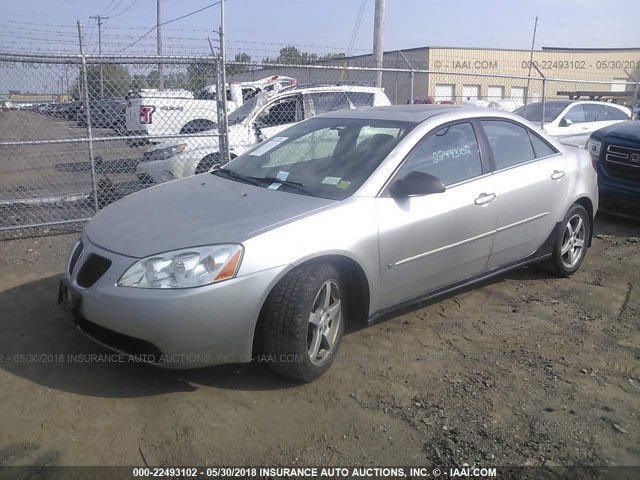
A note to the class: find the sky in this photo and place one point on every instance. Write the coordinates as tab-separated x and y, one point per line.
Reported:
262	27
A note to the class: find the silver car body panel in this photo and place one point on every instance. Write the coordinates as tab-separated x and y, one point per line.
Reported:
405	247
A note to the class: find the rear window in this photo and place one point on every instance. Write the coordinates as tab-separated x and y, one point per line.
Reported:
614	113
361	99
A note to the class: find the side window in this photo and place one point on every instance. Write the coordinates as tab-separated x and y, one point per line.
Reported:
575	114
451	154
540	147
329	102
284	112
509	142
614	113
361	99
594	113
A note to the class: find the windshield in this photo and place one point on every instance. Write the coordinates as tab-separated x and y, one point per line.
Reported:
534	111
322	157
247	108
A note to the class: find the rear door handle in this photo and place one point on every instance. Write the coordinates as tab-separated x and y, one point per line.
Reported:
485	198
557	175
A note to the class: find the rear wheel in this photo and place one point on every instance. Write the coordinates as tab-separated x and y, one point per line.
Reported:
304	322
571	246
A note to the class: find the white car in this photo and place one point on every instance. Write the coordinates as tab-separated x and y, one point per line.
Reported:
153	113
263	116
573	121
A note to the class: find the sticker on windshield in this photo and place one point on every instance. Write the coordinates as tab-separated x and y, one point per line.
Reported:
331	180
344	184
274	142
282	175
274	186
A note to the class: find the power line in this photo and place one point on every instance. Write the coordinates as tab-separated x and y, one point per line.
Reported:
356	27
126	9
169	21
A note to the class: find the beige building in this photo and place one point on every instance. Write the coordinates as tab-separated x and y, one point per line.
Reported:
458	74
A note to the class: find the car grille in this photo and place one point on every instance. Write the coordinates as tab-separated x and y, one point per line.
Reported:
137	348
623	162
92	269
75	255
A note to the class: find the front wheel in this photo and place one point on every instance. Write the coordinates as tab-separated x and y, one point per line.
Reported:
571	245
208	162
304	322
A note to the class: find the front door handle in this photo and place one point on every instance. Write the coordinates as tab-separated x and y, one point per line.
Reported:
485	198
557	175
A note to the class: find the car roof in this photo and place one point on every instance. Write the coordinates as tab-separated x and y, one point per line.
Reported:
412	113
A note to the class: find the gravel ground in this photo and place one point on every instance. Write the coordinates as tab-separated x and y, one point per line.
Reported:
525	370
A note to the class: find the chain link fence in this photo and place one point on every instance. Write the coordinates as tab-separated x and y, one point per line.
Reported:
82	131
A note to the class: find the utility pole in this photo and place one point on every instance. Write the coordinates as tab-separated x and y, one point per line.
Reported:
533	42
99	19
378	34
159	38
222	93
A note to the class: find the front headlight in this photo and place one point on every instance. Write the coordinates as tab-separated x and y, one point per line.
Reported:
163	153
189	267
593	147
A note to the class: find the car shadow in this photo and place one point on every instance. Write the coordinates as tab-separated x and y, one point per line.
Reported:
39	343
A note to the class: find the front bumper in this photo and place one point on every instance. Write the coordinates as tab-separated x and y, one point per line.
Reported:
611	187
181	328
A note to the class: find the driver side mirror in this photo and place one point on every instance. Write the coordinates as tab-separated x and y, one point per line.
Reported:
565	122
416	184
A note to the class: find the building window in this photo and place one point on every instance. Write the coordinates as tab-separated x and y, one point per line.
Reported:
618	85
495	93
518	93
470	92
444	92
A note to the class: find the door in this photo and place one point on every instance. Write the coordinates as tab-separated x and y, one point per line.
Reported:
430	241
444	93
531	189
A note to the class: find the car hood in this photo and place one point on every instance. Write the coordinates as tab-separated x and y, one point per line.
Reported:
629	130
198	210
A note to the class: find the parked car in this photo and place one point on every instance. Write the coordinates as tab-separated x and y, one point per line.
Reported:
262	116
616	153
105	113
344	217
572	121
153	113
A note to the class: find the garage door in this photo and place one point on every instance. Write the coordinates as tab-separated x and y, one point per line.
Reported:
444	92
495	93
517	93
470	92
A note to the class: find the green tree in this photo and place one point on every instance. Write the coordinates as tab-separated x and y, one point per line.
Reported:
139	81
292	55
240	58
200	75
116	81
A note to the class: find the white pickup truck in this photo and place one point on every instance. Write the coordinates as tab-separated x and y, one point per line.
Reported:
154	113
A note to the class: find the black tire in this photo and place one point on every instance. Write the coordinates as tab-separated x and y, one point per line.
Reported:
289	335
563	264
208	162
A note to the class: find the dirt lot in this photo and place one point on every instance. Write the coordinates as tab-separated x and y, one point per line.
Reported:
526	370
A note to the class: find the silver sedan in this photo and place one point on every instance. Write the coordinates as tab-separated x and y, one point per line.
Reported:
345	217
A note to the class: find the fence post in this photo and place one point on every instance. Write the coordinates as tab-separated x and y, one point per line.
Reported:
412	77
544	101
88	114
635	101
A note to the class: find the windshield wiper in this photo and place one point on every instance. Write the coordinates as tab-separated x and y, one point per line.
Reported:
295	185
237	176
